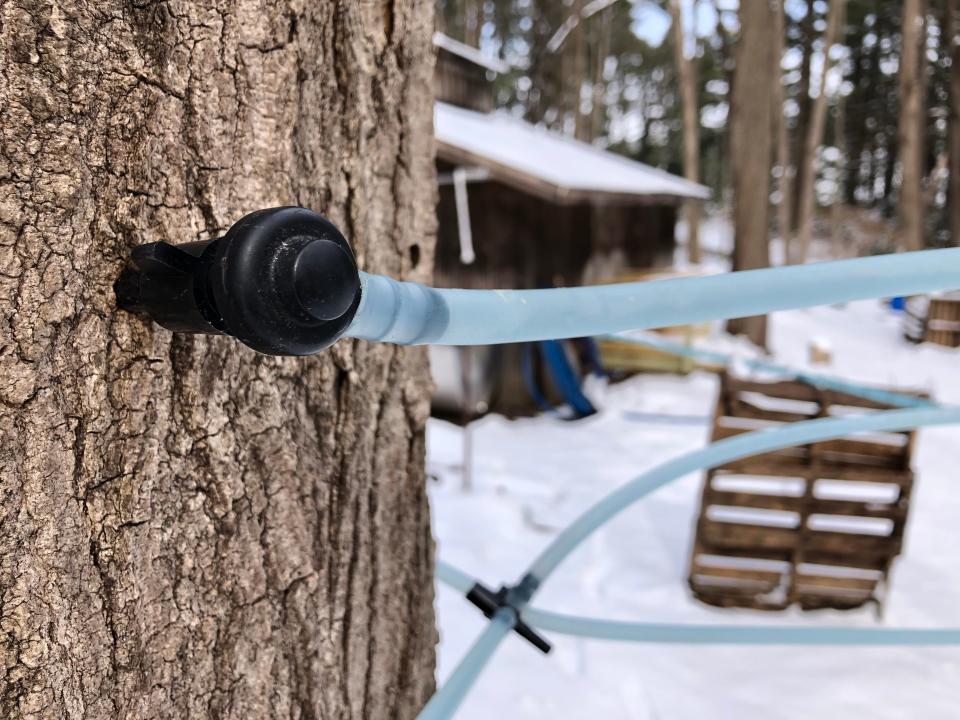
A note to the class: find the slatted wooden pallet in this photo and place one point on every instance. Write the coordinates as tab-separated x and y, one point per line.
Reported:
817	525
934	319
943	321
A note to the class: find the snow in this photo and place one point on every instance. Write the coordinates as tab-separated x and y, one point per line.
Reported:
497	141
533	476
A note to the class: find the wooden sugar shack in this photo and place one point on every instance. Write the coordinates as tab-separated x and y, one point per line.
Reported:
523	207
819	525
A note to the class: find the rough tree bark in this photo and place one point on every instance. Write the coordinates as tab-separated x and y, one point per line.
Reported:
750	144
911	128
690	110
953	122
188	529
807	163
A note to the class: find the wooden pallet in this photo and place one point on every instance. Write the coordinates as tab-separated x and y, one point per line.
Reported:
817	525
934	319
943	321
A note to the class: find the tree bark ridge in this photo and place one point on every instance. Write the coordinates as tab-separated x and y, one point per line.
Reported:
187	528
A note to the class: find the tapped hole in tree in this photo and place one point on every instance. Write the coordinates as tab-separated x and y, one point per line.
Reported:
414	255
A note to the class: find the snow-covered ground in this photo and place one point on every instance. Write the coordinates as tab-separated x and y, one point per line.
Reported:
531	477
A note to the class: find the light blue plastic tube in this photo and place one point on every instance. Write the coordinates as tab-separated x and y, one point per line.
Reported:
455	578
686	633
821	381
445	702
723	451
413	314
735	635
452	693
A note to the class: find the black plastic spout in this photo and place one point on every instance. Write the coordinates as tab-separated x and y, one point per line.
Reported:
283	281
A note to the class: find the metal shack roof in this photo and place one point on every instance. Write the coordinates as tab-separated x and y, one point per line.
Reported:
551	165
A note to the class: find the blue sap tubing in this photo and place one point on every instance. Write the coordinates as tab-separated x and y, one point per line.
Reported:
724	451
444	703
413	314
452	693
457	579
686	633
675	633
826	382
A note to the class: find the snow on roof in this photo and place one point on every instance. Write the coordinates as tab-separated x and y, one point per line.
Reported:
547	163
469	53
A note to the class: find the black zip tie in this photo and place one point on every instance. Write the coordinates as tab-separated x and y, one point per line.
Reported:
490	602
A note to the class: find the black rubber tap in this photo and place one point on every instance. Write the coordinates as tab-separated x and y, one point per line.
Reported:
283	281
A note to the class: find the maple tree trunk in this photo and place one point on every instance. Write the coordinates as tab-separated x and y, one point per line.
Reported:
474	23
804	104
583	124
602	28
953	124
811	144
750	143
687	75
911	127
189	529
784	186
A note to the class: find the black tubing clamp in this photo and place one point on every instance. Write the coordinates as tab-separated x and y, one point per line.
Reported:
490	602
283	281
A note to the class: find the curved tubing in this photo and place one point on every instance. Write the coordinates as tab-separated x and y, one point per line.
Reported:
412	314
451	694
825	382
734	634
445	701
724	451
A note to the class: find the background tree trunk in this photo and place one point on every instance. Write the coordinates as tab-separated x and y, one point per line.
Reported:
582	123
953	123
750	138
601	42
474	23
836	202
782	132
188	529
687	75
804	104
807	163
911	126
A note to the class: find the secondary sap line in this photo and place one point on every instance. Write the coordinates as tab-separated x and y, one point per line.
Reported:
700	634
826	382
723	451
682	633
735	448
